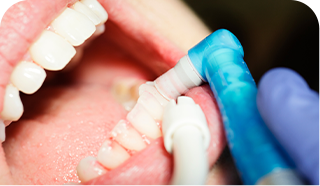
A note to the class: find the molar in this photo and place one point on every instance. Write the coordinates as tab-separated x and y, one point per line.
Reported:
127	136
111	154
12	107
96	7
73	26
51	51
79	7
28	77
89	168
143	122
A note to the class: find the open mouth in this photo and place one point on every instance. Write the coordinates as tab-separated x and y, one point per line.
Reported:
77	109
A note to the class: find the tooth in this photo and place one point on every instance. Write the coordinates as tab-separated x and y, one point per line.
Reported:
89	168
111	155
151	104
28	77
79	7
76	59
127	136
143	122
12	107
96	7
100	29
148	87
2	131
51	51
73	26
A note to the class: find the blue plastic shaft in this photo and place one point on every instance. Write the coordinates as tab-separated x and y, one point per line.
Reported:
219	60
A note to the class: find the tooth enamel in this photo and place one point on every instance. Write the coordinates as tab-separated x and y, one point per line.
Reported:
99	30
127	136
51	51
96	7
73	26
12	107
143	122
151	104
79	7
111	155
28	77
89	168
2	131
148	87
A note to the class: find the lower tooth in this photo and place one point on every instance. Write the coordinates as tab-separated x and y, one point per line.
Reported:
111	155
28	77
148	87
89	168
143	122
12	107
127	136
152	105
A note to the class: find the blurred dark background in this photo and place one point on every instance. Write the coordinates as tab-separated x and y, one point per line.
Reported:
273	33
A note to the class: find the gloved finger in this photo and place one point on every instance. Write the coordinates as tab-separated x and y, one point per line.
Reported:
291	111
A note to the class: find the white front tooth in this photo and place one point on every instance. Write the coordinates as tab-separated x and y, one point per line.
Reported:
79	7
89	168
28	77
147	87
111	154
143	122
73	26
51	51
12	106
127	136
151	104
96	7
2	131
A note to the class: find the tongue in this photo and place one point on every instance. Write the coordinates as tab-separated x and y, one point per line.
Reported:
70	118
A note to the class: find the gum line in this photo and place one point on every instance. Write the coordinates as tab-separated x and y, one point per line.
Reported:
31	75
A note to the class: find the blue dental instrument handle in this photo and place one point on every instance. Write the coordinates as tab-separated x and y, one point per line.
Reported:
259	158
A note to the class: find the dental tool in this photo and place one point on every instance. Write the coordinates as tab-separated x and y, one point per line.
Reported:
218	60
186	135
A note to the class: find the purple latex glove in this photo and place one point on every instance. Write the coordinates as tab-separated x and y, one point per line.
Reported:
291	111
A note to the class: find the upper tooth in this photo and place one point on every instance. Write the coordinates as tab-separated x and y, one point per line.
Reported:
143	122
28	77
96	7
89	168
12	107
111	154
51	51
100	29
127	136
87	12
2	131
73	26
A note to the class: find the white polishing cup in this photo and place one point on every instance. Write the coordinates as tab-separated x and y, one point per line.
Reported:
185	112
